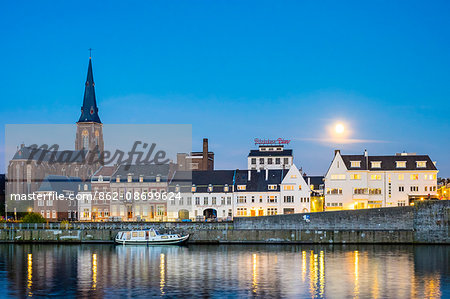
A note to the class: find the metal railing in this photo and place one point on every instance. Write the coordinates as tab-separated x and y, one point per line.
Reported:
114	225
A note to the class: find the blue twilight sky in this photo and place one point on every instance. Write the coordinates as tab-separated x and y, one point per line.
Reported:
237	70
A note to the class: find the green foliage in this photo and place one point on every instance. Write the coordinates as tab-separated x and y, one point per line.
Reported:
33	218
65	224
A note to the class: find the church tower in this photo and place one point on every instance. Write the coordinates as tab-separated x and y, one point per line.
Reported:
89	127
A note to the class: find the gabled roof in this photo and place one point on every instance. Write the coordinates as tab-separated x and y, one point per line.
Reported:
89	110
105	171
33	154
59	184
314	180
389	162
149	172
257	181
258	153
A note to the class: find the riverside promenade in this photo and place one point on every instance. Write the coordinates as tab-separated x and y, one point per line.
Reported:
425	223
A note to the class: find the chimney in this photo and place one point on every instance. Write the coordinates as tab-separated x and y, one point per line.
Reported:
366	155
267	174
249	175
205	154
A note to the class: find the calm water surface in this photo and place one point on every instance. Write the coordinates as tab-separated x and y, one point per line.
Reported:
225	271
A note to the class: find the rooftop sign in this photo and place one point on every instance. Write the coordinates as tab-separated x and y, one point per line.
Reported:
271	141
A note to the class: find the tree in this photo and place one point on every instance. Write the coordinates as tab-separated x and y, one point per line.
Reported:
33	218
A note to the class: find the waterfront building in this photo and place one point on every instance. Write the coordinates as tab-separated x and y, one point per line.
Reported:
138	192
101	188
270	192
363	181
203	195
84	201
58	195
270	157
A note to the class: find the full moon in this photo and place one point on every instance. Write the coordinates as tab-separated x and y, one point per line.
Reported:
339	128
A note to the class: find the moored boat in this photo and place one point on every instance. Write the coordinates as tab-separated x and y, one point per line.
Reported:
149	237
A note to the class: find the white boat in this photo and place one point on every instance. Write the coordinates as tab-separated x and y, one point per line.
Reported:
149	237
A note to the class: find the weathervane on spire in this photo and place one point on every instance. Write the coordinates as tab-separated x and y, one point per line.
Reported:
90	53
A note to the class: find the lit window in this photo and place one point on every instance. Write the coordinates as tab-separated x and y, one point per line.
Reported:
241	199
338	176
194	188
355	164
210	188
375	177
241	211
401	164
288	187
293	176
118	179
355	176
376	164
141	179
241	187
414	177
129	179
272	187
271	211
421	164
225	188
401	177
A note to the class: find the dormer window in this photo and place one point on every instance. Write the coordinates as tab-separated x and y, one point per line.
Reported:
141	179
85	187
225	188
118	179
194	188
130	178
100	178
241	187
210	188
355	164
272	187
401	164
158	178
421	164
177	188
376	164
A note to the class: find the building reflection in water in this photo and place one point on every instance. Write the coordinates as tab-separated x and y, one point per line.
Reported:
30	275
225	271
254	275
162	272
94	271
356	258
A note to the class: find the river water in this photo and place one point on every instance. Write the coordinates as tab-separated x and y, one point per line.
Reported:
306	271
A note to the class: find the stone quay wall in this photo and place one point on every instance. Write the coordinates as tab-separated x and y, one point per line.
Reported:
425	223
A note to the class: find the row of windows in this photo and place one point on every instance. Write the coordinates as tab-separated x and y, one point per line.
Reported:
371	191
398	164
377	177
334	204
206	201
270	161
416	188
244	212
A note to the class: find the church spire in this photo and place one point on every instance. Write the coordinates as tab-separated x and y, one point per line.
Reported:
89	110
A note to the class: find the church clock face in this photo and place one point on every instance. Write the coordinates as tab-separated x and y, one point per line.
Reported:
92	110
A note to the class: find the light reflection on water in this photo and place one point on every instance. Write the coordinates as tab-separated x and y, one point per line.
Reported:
235	270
